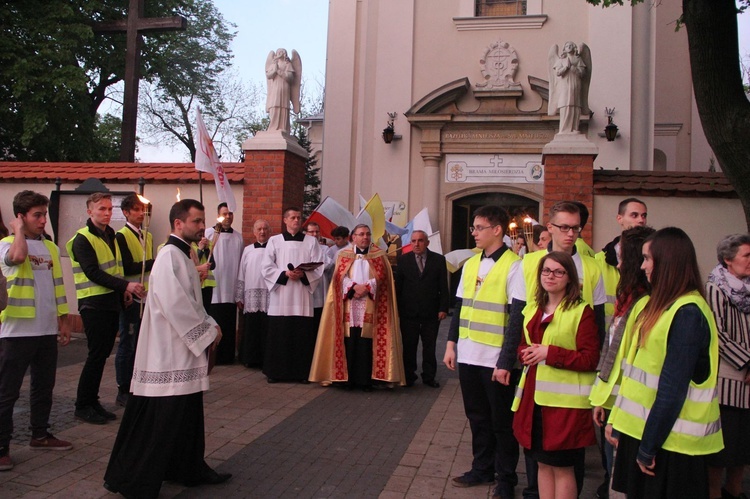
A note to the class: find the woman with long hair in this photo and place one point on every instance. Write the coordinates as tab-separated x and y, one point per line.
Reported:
632	289
559	349
728	295
667	410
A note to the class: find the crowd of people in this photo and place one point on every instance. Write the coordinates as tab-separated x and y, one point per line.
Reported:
557	347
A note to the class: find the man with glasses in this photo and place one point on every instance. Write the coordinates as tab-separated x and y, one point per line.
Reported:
564	226
358	339
475	340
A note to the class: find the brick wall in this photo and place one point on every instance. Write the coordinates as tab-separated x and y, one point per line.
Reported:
570	177
273	181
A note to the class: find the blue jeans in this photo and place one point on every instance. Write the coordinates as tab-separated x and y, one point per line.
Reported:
130	326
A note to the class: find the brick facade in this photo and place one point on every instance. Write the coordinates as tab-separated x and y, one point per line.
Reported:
570	177
274	180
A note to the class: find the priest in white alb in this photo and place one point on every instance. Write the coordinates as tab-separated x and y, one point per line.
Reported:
161	436
252	298
291	333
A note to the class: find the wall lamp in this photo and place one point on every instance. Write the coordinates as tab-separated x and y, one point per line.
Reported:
389	133
610	131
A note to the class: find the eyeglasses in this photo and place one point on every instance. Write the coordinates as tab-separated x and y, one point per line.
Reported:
479	228
362	234
558	273
567	228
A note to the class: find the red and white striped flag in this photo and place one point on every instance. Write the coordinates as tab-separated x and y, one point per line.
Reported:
206	160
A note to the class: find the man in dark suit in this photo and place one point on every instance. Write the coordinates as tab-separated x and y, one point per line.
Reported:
422	292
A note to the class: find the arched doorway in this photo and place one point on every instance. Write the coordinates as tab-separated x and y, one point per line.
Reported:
463	208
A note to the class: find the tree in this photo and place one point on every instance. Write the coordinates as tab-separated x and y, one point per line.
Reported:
55	71
312	174
723	107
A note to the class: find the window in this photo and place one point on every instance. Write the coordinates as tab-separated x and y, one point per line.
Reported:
497	8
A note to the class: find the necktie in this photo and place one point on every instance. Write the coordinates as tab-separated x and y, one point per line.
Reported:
420	263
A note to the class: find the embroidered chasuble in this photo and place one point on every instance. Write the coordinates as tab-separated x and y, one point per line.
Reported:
376	314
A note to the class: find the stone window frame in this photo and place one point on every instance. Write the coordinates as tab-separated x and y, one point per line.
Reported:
467	20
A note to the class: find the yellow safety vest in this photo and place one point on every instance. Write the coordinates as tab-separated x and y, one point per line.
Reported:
210	281
21	298
557	387
697	430
583	248
590	278
484	314
109	263
136	250
611	278
603	394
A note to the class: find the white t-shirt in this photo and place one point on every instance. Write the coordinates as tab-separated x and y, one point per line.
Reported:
45	321
469	351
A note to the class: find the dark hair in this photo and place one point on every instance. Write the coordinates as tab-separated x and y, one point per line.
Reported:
572	289
26	200
131	201
584	211
359	226
537	233
625	202
316	224
181	209
96	197
632	279
292	208
221	205
675	273
563	207
3	229
340	231
495	215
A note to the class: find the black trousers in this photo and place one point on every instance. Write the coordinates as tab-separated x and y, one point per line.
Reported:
16	355
487	406
101	328
253	341
412	330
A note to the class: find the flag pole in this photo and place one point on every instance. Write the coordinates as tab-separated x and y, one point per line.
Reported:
200	185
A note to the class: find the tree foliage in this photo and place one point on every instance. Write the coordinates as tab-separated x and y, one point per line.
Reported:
56	70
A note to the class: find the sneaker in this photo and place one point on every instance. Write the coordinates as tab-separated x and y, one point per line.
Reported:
49	443
90	415
471	479
6	463
110	416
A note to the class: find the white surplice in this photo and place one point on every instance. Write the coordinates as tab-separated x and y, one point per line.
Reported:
176	330
227	254
293	298
251	287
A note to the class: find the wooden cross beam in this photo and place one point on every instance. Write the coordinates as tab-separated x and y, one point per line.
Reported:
134	26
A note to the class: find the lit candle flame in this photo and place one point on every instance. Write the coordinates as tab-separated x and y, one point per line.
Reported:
219	220
178	194
513	226
143	200
527	220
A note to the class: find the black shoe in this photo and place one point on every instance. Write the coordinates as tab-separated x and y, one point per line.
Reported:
110	488
90	415
109	416
433	383
471	479
210	477
272	380
602	492
503	491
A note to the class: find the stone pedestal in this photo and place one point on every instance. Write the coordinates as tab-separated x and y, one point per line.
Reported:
274	179
569	174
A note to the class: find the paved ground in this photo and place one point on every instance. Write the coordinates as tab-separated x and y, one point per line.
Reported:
280	440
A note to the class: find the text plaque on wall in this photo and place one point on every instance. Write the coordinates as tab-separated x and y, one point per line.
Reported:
494	168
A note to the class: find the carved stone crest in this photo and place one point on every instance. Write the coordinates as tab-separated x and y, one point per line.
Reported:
499	64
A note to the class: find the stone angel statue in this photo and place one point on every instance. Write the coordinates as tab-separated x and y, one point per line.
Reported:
569	81
284	77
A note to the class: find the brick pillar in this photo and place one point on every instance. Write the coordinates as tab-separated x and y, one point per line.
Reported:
274	179
569	174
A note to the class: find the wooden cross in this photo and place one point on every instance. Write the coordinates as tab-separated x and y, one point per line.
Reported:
134	26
